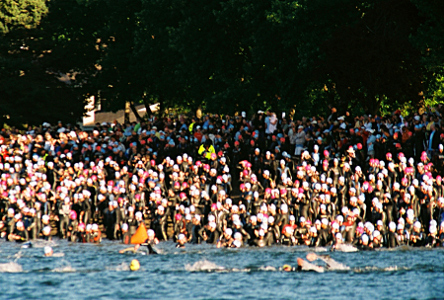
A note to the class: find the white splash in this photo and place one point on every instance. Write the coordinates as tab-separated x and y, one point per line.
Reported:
43	244
320	249
122	267
203	265
267	268
66	268
386	269
10	267
345	248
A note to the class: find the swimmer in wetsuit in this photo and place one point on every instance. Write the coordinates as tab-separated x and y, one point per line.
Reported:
331	264
181	241
303	265
149	243
226	240
20	235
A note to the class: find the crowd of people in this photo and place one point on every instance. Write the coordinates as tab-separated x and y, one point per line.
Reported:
366	181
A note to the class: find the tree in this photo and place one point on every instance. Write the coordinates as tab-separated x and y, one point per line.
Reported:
21	14
31	93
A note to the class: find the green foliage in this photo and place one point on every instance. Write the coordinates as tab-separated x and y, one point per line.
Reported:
21	14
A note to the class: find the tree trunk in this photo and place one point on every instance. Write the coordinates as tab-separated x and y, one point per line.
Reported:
136	113
127	112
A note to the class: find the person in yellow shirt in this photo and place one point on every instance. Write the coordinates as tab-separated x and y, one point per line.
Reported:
206	149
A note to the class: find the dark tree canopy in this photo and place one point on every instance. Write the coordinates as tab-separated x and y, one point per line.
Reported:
223	56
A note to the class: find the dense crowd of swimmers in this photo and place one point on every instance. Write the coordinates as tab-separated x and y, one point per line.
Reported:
367	182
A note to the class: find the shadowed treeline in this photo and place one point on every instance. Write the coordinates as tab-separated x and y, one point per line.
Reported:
223	56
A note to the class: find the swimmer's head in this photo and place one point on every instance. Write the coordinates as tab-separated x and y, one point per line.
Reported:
151	233
47	251
182	238
287	268
135	265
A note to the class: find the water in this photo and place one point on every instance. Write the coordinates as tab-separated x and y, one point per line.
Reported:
87	271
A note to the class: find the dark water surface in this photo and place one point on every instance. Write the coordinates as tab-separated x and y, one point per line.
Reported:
86	271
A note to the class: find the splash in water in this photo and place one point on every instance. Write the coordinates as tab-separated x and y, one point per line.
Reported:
122	267
10	267
203	265
66	268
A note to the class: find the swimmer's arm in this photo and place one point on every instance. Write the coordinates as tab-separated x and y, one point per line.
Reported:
130	249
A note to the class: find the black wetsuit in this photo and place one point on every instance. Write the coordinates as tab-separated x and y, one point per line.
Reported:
392	240
149	245
179	245
364	248
23	234
212	237
196	237
287	241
